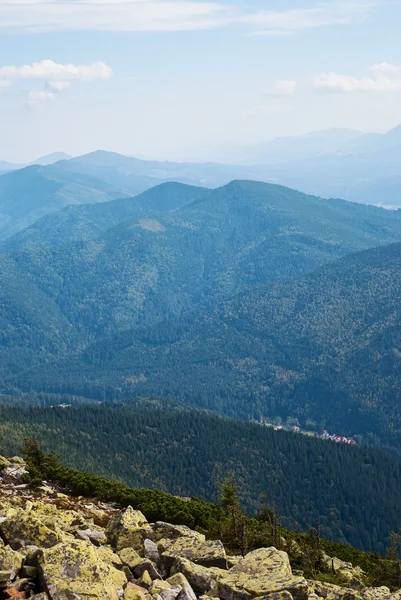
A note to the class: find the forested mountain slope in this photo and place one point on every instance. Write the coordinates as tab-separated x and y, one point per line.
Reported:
87	221
324	349
28	194
156	268
354	491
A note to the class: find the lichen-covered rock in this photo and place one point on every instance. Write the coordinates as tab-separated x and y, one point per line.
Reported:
9	559
144	564
127	529
97	537
161	530
210	553
262	572
279	596
330	591
41	524
187	592
4	462
145	580
158	586
136	592
107	555
129	557
345	569
379	593
233	560
76	567
21	528
201	579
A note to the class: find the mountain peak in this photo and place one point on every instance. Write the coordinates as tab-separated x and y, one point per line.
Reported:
50	159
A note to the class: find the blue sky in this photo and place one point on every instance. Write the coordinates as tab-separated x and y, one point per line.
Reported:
191	79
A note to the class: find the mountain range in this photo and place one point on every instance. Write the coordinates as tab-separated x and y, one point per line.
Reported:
332	164
202	296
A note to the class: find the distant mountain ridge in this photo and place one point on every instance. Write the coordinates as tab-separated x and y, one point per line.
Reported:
85	222
50	159
331	164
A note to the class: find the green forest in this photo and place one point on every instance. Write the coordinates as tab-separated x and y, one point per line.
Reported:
352	492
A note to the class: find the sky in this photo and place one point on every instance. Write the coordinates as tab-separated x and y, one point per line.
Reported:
192	79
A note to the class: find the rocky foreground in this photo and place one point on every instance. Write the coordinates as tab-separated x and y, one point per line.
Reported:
57	547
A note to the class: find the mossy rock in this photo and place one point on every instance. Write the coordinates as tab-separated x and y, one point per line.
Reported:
208	553
129	557
180	580
78	567
145	580
9	559
201	579
161	530
136	592
158	586
128	529
262	572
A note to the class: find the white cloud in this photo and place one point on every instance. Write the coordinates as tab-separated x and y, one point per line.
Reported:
57	77
332	12
52	71
286	87
172	15
4	83
110	15
58	85
35	98
385	78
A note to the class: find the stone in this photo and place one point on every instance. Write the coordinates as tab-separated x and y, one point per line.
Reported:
127	529
200	578
96	537
135	592
158	586
12	592
151	551
108	556
345	569
41	524
161	530
66	596
380	593
9	559
4	462
129	557
278	596
28	571
6	576
145	580
261	572
210	553
187	592
170	593
333	592
233	560
144	564
77	567
14	473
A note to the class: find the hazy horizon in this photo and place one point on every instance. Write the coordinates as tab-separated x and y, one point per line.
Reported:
187	79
